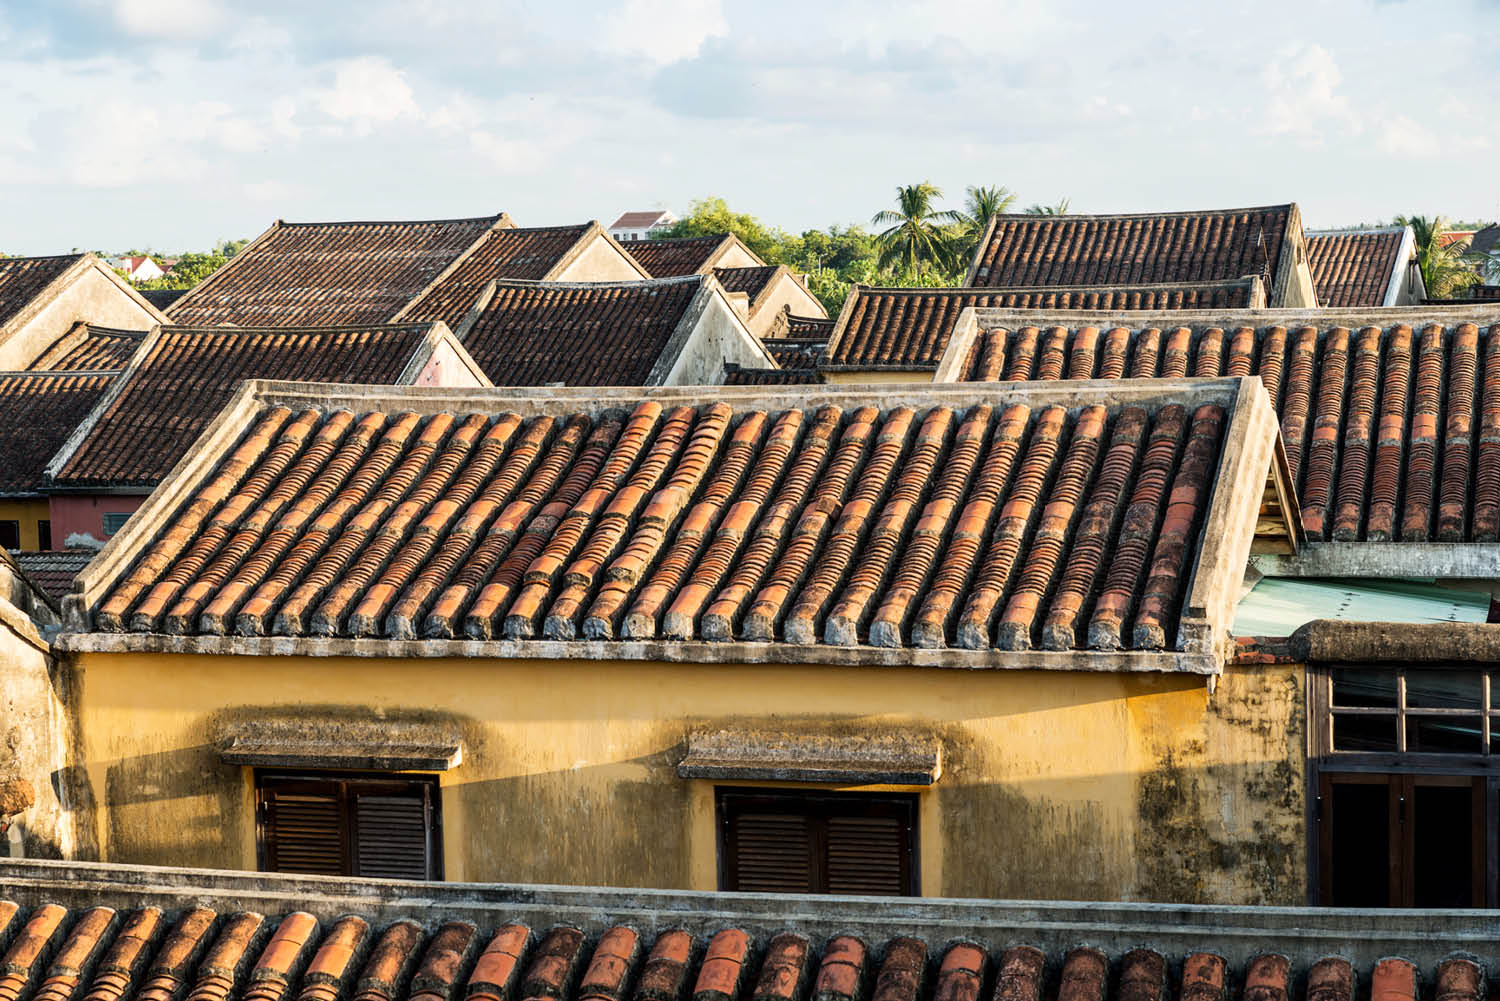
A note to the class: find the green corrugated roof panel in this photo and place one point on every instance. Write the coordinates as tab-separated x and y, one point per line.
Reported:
1276	606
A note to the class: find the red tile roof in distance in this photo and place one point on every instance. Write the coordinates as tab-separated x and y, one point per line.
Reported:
53	570
1148	248
326	274
669	258
22	278
1041	520
909	328
518	254
1354	268
38	411
89	349
1391	424
189	373
579	334
78	930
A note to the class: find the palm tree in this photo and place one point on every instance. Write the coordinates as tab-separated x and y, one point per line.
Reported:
1061	208
917	232
1444	267
985	202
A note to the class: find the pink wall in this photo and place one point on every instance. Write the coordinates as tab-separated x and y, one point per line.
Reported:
83	514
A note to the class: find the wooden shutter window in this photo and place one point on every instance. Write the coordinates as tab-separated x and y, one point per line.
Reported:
386	827
774	841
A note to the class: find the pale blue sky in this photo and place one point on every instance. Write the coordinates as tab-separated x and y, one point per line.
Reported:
173	123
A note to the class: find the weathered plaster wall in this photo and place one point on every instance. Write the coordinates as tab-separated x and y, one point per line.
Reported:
737	256
1055	785
83	514
784	291
28	511
600	261
92	298
717	336
877	376
446	368
34	742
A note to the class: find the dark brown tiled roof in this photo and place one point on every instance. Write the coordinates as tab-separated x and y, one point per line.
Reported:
90	349
517	254
1392	432
38	411
189	373
22	278
54	570
794	354
1354	268
1151	248
323	274
161	298
587	334
737	375
1018	525
909	328
751	281
669	258
106	933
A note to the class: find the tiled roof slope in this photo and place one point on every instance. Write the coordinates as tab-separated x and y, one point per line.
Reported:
38	411
909	328
89	349
162	298
519	254
794	354
1046	520
1150	248
325	274
54	570
1354	267
803	328
669	258
22	278
579	334
738	375
751	281
1391	422
110	932
189	373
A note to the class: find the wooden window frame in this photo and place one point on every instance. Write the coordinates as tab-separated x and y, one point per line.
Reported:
44	534
773	800
12	523
340	782
1403	771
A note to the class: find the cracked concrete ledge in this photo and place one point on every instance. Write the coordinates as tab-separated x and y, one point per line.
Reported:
1469	560
1331	640
762	755
671	651
1236	932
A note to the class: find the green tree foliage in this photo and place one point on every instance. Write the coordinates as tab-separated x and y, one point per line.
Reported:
228	248
189	271
1446	270
1061	208
918	234
712	215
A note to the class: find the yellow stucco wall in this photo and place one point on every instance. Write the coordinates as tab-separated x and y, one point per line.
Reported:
28	512
1055	785
877	377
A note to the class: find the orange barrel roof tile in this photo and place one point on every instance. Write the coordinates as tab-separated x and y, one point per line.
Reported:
1355	267
943	523
1391	425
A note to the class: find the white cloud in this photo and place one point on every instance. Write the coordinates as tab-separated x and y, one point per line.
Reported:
366	92
662	31
1302	97
169	19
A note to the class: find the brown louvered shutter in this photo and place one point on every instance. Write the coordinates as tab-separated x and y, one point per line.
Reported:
386	827
391	835
791	841
302	828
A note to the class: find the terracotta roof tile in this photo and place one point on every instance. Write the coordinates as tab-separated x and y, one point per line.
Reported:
106	946
90	349
693	520
38	411
1099	250
53	570
23	278
1389	435
516	254
1355	267
325	274
670	258
909	328
188	374
596	334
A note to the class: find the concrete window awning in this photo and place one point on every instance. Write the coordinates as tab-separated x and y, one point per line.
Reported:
373	745
756	755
